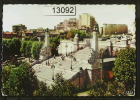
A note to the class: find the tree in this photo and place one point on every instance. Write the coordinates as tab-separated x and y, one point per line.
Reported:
81	35
98	88
17	45
34	38
23	47
125	69
27	38
28	49
62	87
54	43
19	80
69	35
104	88
36	49
42	90
31	49
9	46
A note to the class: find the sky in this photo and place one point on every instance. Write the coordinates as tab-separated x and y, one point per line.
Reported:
32	16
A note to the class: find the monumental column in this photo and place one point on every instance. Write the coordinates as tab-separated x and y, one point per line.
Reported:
94	60
46	50
94	40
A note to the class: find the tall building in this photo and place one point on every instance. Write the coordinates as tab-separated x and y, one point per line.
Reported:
109	29
19	29
60	26
101	30
86	21
71	23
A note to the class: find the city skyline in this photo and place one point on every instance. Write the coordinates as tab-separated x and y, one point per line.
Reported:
32	15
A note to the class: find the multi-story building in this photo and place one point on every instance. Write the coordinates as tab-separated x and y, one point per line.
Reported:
71	23
9	35
109	29
86	21
19	29
37	30
60	26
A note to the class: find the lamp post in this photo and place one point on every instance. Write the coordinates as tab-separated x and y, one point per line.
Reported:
102	57
66	48
80	69
71	58
48	58
53	67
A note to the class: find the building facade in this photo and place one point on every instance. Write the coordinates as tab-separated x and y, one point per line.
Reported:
9	35
86	21
71	23
109	29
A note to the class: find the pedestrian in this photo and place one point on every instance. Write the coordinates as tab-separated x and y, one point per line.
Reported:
54	56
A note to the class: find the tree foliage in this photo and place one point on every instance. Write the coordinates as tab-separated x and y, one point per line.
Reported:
34	38
42	90
62	87
54	43
18	81
125	69
98	89
31	49
36	49
9	46
81	35
103	88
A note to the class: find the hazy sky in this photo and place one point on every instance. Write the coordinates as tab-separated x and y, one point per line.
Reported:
32	15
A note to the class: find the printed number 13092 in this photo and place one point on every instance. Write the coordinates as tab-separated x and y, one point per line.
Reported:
60	10
63	9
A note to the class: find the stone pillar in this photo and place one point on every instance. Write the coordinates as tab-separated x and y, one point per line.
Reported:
46	50
94	41
47	39
76	41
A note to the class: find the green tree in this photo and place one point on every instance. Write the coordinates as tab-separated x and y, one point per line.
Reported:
28	49
81	35
19	80
62	87
104	88
11	47
31	49
98	88
54	43
27	38
17	45
125	69
42	90
36	48
34	38
23	47
112	89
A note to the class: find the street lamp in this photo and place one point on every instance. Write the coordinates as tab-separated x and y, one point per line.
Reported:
80	69
71	58
102	57
48	58
66	48
53	67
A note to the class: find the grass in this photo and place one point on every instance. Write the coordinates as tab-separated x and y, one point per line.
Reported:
83	92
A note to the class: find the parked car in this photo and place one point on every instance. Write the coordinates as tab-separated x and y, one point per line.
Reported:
104	38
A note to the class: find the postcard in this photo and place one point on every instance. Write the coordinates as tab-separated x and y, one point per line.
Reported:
68	50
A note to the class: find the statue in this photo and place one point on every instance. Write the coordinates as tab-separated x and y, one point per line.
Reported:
76	39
